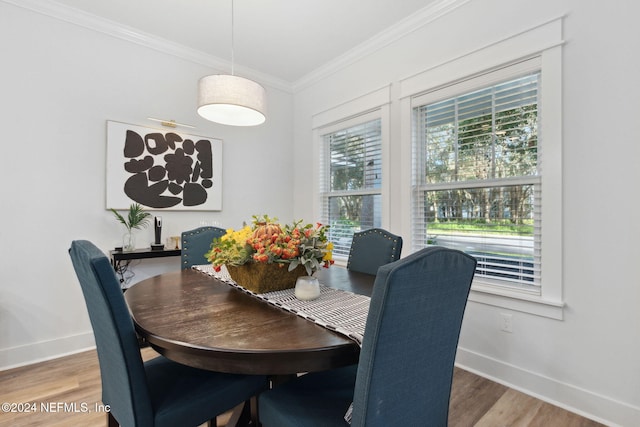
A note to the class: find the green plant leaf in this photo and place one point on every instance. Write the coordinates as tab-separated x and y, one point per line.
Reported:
137	217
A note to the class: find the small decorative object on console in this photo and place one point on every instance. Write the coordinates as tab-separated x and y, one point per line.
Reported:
136	220
157	246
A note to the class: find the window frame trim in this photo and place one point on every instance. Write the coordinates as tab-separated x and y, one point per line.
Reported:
370	106
543	42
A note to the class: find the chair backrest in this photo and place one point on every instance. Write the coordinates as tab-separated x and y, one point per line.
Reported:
372	248
124	383
196	243
410	341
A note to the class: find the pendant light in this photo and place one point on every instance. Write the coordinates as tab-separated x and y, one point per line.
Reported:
229	99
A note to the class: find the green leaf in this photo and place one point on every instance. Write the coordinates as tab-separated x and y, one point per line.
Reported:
136	218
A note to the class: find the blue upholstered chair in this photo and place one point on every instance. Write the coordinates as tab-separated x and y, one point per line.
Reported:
158	392
406	363
372	248
196	243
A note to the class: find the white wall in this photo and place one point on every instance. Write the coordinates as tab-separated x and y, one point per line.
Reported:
59	85
61	82
587	362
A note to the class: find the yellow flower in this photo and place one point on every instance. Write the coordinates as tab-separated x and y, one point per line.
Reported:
328	255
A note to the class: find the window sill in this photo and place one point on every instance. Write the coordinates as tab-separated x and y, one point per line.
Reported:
512	299
517	300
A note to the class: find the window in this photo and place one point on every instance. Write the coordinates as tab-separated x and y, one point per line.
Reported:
511	88
477	176
351	180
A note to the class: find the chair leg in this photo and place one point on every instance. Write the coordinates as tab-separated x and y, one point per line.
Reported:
245	414
255	418
238	415
249	415
111	421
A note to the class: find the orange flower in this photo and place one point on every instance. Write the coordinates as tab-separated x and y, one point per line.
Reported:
290	245
275	249
261	257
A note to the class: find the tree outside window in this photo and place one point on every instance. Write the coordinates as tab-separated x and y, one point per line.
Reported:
477	178
351	192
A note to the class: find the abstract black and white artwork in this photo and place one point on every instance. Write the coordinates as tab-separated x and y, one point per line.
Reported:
162	169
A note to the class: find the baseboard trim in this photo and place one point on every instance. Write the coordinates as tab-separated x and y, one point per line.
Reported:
15	357
586	403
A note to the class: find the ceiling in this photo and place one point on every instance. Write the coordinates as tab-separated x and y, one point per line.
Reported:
284	39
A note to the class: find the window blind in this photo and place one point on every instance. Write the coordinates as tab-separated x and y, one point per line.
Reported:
351	182
477	181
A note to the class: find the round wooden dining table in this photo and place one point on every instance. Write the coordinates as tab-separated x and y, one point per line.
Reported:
194	319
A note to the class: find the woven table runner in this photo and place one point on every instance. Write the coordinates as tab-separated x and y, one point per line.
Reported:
335	309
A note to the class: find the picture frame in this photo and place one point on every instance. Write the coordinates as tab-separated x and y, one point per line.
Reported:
162	169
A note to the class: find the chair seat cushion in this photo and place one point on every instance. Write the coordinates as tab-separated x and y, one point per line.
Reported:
183	396
318	399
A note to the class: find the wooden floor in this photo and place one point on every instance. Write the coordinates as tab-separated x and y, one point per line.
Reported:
66	392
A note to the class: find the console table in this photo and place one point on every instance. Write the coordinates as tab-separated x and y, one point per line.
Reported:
120	260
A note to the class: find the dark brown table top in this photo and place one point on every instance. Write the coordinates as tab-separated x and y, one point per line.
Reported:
194	319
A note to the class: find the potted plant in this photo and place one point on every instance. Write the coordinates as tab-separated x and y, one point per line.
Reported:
136	219
267	256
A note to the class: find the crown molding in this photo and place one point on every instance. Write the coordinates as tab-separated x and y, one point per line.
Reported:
407	26
78	17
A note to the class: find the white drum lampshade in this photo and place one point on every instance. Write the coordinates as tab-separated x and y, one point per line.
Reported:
231	100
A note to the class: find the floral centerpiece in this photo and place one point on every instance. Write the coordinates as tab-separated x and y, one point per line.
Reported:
268	256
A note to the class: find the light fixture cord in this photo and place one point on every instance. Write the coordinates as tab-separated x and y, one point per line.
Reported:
232	39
